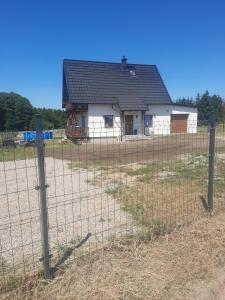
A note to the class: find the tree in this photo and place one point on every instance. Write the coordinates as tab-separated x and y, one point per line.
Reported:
2	116
207	104
15	111
51	118
186	101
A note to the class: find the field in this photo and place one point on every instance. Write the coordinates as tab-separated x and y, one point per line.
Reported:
103	191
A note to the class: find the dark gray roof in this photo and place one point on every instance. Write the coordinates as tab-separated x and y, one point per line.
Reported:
102	82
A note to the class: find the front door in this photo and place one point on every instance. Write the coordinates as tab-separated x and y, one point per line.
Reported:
128	124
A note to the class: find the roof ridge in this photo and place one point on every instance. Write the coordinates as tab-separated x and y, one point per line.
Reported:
104	62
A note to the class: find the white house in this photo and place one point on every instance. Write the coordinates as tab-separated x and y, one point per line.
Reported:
105	99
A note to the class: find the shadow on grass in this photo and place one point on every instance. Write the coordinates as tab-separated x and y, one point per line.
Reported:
204	203
67	253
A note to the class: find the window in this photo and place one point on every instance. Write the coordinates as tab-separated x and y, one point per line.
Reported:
148	120
108	121
132	73
82	121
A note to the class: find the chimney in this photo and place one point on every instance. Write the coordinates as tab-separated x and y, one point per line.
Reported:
123	63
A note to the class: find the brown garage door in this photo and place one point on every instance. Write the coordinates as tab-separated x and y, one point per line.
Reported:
179	123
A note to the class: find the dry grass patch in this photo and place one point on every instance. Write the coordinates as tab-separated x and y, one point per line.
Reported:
182	265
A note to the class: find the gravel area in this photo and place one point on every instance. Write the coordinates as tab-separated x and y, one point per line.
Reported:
76	207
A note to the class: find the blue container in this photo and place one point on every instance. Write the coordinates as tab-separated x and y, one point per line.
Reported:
31	135
48	135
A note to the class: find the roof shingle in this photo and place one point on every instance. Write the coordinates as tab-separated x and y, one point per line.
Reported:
101	83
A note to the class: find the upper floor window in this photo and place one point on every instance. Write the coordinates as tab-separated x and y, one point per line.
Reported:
132	73
108	121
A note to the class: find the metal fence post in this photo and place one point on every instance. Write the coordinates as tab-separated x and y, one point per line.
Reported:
212	133
42	191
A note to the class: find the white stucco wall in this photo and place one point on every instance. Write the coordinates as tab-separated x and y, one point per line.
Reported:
96	121
162	114
161	119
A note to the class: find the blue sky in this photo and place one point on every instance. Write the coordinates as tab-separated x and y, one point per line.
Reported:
185	39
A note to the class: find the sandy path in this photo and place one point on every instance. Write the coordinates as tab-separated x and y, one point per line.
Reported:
76	207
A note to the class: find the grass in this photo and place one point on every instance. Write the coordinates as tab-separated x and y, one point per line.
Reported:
9	283
76	165
220	126
168	191
158	195
22	153
19	153
185	264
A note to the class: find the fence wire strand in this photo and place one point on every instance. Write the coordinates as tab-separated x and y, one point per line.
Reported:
104	189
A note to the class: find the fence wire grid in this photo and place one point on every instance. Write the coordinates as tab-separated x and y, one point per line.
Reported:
102	189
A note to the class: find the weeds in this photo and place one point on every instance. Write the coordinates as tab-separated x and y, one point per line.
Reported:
76	165
146	201
9	283
20	153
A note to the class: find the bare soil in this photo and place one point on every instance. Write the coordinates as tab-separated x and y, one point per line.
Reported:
139	150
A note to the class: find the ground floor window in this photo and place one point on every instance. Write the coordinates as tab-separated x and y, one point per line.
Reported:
82	121
148	120
108	121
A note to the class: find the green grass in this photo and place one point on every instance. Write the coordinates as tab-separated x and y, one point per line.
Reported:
140	206
144	170
116	190
22	153
19	153
76	165
163	190
220	127
194	167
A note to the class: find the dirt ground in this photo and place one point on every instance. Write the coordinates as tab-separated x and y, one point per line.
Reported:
186	264
139	150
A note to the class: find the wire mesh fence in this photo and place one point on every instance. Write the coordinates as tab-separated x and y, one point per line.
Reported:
102	188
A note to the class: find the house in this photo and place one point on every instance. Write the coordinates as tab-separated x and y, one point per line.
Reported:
104	99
